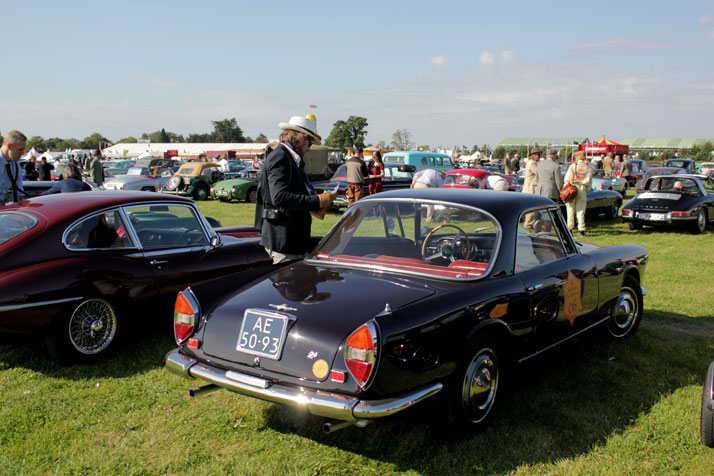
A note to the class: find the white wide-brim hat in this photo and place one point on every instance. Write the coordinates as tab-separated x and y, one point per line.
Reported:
306	125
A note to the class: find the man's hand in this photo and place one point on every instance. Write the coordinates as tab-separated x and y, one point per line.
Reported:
326	199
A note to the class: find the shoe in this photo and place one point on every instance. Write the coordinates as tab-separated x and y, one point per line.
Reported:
582	233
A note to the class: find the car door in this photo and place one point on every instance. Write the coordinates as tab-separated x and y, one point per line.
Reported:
561	282
175	242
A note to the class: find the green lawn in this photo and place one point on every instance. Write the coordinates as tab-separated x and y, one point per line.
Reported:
595	407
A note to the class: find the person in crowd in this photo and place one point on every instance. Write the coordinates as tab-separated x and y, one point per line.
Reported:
579	175
71	181
223	162
515	163
531	182
626	170
598	161
356	173
31	169
496	182
507	164
428	178
202	157
550	180
376	173
13	147
286	197
96	170
608	165
45	169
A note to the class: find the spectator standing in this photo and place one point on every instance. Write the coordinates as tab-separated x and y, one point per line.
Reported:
71	181
531	176
550	180
598	161
515	164
507	164
356	172
626	171
285	195
13	147
45	169
31	169
579	174
96	170
376	173
223	162
608	165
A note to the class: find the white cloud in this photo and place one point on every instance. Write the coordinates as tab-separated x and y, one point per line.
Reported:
438	61
705	19
508	56
487	58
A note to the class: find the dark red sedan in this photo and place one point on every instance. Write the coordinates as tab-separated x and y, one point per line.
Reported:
79	266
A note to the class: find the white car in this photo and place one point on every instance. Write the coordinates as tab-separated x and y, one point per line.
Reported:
600	182
141	178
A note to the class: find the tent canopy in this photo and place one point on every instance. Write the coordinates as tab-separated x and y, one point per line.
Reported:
542	141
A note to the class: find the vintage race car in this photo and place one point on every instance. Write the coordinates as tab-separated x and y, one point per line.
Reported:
235	188
85	267
413	293
681	199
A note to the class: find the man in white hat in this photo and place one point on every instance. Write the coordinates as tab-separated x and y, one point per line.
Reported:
285	195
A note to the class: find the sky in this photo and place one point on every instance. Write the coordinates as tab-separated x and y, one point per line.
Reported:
450	72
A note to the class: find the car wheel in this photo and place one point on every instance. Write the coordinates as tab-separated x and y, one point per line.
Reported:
700	224
252	195
474	392
627	312
612	212
706	419
148	189
201	192
87	332
633	225
226	200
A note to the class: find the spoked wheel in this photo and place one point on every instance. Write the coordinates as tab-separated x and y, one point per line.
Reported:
253	195
627	313
89	332
474	392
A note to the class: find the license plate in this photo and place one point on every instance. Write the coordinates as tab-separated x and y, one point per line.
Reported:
222	193
653	216
263	333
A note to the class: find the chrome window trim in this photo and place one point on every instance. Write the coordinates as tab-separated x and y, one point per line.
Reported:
15	307
208	231
16	212
92	215
381	268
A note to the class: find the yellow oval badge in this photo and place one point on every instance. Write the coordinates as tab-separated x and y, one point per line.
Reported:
319	368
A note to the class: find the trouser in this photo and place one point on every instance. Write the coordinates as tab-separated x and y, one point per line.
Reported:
354	193
283	258
576	208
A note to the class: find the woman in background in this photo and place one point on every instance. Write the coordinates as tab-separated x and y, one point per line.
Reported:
376	173
71	181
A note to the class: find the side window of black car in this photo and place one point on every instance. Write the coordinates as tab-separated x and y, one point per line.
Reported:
538	240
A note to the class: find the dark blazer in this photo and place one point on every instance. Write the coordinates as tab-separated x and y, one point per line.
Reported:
68	185
285	199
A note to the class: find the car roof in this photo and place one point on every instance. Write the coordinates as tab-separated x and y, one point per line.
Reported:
481	173
60	206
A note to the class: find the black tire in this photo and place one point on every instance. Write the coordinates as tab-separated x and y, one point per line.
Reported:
473	394
226	200
706	419
148	189
252	195
201	192
613	210
627	312
85	333
634	225
700	224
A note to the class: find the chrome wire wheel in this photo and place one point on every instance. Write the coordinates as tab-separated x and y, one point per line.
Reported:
480	386
92	326
626	313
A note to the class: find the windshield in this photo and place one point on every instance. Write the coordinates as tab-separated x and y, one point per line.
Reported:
14	224
443	240
462	179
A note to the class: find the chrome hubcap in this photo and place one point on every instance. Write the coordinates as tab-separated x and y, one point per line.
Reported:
92	326
625	311
480	386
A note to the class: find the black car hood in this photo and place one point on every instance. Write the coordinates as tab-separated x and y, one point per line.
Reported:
327	303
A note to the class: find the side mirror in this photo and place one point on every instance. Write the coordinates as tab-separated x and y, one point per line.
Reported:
215	242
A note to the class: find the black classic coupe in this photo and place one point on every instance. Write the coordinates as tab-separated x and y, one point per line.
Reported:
679	200
413	293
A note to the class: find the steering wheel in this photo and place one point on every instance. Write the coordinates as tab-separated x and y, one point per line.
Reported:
184	235
446	249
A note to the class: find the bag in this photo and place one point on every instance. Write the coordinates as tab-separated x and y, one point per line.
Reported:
568	193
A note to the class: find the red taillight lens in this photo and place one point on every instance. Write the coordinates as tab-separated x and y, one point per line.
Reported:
185	312
361	353
681	214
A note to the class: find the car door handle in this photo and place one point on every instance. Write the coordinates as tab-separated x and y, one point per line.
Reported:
156	261
535	287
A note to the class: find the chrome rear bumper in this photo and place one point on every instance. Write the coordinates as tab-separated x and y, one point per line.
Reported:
329	405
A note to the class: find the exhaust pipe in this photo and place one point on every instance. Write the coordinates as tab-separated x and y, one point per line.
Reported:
333	426
198	391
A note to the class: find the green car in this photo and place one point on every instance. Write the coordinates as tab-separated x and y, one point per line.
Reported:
240	189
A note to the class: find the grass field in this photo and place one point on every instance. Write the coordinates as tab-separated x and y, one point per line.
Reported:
596	407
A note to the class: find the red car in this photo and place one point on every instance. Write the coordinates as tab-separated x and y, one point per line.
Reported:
80	266
466	178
